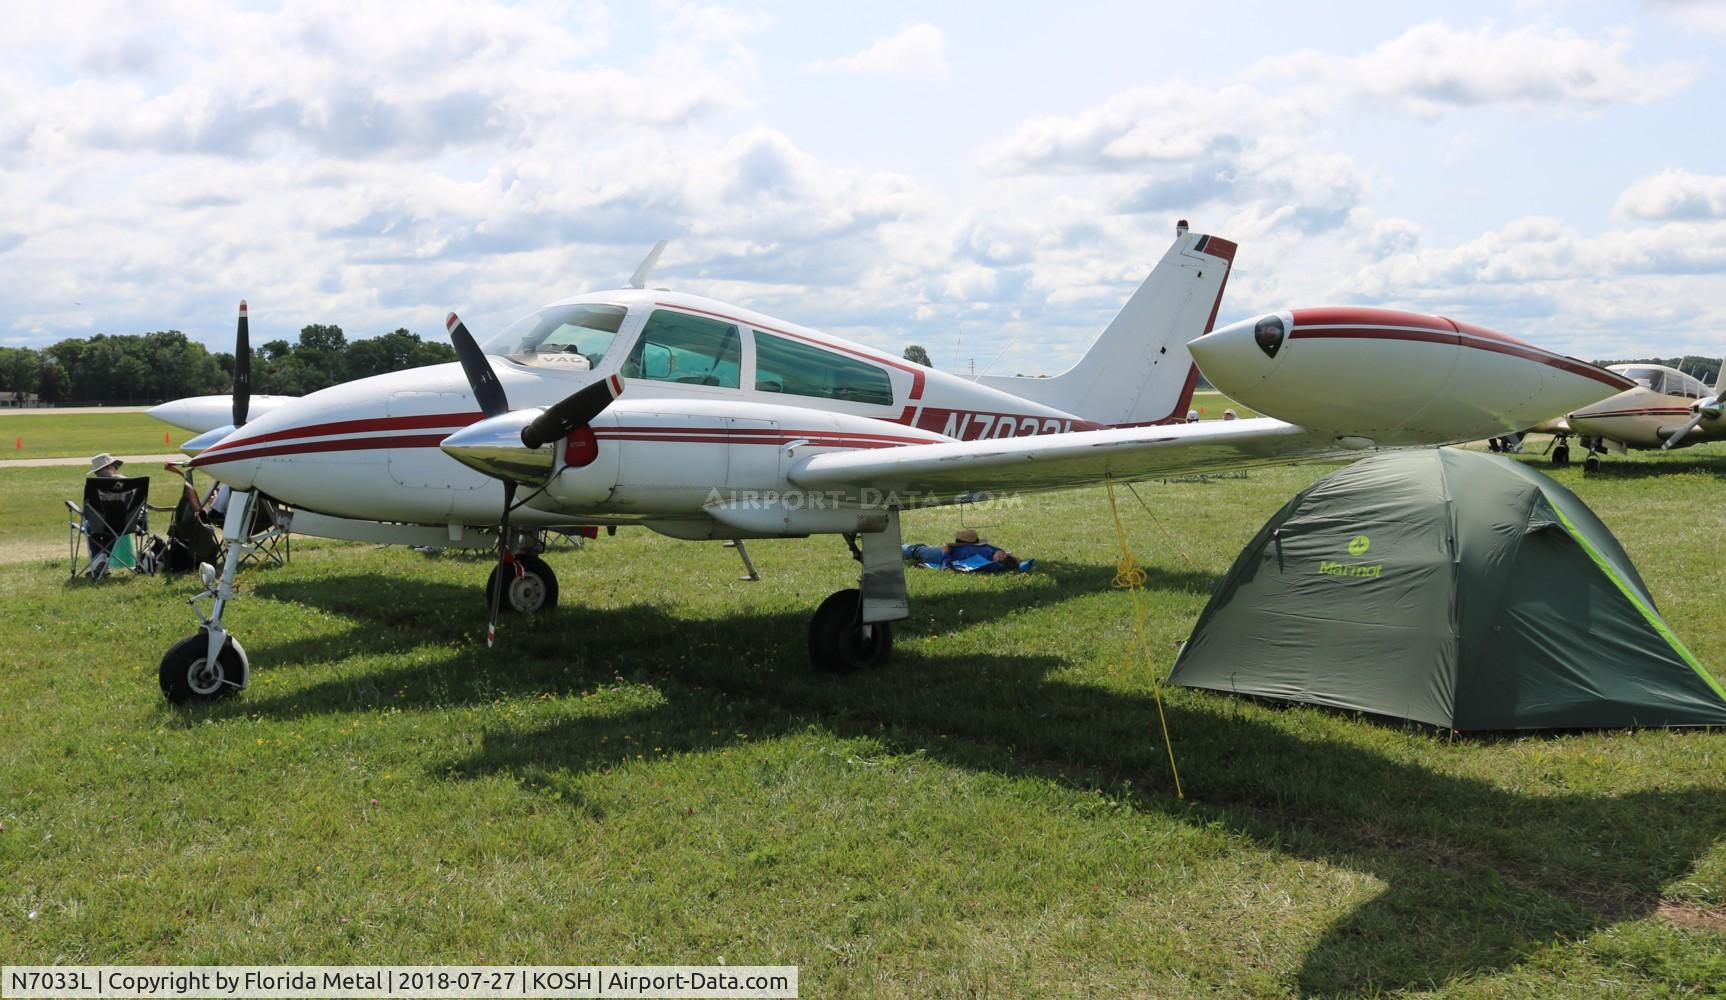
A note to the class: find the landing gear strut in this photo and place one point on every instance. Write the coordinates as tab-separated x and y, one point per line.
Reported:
852	629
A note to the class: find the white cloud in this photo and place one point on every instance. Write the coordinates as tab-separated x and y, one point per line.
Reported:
918	49
1697	15
1432	69
1674	194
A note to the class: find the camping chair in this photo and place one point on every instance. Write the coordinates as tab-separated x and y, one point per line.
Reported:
268	536
112	522
193	539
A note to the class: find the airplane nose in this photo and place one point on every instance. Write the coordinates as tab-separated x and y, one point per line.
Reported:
493	446
1239	356
240	472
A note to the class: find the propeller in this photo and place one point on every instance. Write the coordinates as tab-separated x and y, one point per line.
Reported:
558	421
242	369
487	390
573	412
1709	408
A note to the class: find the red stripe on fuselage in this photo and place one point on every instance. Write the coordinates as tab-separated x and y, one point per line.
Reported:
242	454
1497	345
671	434
1647	412
454	421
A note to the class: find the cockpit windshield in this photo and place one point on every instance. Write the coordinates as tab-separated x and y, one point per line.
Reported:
1663	380
560	333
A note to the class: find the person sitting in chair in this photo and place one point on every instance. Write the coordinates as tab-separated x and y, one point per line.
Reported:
106	466
966	553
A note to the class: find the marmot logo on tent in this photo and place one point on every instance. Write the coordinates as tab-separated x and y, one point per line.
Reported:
1358	545
1329	568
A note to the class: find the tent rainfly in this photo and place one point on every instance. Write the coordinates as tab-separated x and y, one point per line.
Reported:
1450	587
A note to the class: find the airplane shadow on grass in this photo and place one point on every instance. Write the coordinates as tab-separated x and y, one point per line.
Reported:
1477	878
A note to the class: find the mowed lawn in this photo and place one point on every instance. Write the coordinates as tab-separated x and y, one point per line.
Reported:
651	774
40	434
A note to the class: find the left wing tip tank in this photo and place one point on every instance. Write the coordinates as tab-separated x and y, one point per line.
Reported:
1394	377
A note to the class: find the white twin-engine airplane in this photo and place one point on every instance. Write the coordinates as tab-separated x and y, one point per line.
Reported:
1660	408
703	420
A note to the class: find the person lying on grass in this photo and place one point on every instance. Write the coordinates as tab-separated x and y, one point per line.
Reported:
967	553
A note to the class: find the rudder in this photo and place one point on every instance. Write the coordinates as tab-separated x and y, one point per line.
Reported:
1139	371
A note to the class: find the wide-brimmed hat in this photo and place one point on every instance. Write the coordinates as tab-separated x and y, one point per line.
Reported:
104	460
967	536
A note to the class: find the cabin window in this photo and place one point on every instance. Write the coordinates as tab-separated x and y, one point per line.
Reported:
691	350
584	329
783	365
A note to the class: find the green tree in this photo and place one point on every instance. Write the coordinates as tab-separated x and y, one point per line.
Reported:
916	354
20	369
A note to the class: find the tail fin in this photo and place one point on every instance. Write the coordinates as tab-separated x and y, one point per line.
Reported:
1720	378
1139	371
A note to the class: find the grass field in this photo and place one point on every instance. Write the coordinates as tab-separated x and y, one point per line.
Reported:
652	775
84	434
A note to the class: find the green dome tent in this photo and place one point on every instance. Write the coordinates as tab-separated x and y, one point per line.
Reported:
1453	588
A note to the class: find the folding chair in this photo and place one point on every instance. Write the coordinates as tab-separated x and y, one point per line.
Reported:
268	534
112	523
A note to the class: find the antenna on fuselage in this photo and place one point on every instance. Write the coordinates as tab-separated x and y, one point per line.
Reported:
639	278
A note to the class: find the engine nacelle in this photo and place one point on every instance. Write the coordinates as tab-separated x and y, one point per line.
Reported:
1394	377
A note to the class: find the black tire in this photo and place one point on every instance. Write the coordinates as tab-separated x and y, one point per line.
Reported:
1561	455
187	678
1591	464
531	593
836	640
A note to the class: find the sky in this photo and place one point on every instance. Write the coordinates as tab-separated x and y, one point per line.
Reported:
988	180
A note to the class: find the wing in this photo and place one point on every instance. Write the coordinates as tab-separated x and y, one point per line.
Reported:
932	474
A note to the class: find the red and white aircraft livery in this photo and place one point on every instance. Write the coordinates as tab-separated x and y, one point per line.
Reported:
1660	407
704	420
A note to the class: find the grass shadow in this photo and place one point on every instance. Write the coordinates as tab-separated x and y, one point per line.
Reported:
1477	878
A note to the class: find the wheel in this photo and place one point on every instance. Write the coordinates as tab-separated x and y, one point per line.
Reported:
837	643
1591	464
188	676
535	590
1561	455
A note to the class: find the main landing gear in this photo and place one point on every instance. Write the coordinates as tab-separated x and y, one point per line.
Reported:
852	629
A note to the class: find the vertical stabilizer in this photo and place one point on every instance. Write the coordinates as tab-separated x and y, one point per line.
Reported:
1139	371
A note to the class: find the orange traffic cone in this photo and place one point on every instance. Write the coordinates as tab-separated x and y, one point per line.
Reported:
19	444
165	437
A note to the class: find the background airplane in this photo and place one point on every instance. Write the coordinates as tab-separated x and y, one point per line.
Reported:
703	420
1662	408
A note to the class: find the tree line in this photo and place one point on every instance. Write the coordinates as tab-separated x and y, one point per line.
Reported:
154	367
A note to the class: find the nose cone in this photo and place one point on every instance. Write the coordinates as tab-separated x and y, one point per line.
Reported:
1239	356
493	446
204	442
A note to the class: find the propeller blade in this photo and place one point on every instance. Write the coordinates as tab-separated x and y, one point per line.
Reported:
487	390
573	411
1672	442
242	368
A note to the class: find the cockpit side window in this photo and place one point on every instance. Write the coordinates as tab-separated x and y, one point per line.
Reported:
787	366
560	332
692	350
